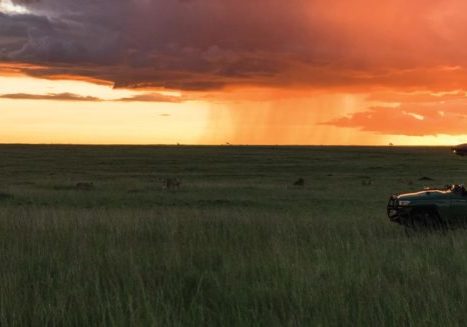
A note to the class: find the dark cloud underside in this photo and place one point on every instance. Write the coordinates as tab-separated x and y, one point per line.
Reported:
209	44
52	96
147	97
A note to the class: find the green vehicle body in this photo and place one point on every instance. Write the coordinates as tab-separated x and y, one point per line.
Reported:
443	207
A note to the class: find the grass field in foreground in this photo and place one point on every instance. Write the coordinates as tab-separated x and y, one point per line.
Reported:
237	245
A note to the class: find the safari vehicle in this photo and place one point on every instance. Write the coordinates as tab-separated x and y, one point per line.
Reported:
432	207
460	150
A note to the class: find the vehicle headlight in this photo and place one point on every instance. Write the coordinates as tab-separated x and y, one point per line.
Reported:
404	203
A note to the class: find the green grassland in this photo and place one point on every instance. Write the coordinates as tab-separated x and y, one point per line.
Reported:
236	245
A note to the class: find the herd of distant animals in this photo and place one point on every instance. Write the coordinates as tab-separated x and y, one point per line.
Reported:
173	184
167	183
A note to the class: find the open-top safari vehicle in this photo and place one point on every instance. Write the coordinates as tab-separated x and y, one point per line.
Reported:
432	207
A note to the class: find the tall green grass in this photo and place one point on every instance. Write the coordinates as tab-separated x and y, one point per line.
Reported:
237	245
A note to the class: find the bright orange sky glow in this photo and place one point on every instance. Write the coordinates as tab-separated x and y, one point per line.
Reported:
314	72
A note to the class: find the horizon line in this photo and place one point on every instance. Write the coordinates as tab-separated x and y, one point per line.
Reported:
227	145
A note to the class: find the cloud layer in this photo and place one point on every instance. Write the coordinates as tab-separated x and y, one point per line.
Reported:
414	115
51	96
410	55
210	44
145	97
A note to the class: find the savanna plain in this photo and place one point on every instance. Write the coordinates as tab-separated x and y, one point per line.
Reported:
235	244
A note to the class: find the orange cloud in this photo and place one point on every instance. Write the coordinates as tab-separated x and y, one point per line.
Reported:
411	119
16	69
58	77
50	96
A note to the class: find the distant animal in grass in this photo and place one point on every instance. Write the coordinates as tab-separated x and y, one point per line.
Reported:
367	182
299	182
406	181
425	178
171	183
5	196
85	186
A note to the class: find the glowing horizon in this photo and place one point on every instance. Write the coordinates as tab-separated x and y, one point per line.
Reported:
223	117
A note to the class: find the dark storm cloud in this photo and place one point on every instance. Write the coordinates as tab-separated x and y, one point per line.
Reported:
190	45
22	2
58	32
210	44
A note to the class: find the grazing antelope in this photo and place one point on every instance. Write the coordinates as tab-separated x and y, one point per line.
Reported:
299	182
367	182
171	183
85	186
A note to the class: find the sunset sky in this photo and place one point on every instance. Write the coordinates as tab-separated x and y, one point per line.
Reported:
238	71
